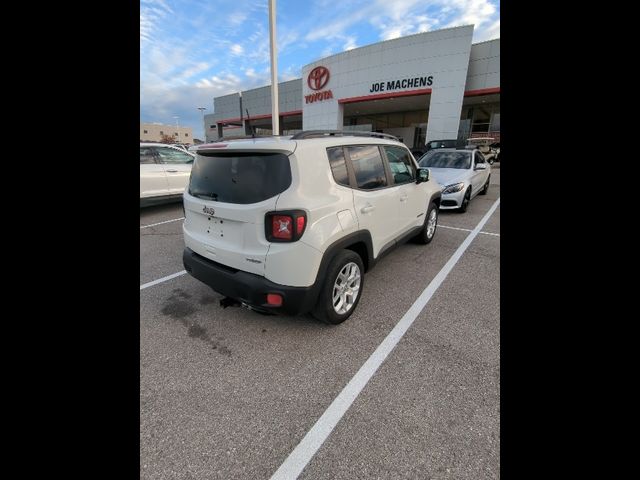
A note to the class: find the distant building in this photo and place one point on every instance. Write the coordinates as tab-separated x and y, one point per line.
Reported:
152	132
428	86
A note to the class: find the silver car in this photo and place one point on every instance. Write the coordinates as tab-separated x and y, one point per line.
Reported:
462	173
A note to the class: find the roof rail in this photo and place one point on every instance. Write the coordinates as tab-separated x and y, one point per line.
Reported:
331	133
241	137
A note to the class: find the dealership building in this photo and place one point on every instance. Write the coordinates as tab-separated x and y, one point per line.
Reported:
428	86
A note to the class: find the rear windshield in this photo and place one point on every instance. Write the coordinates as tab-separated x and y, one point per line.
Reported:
239	177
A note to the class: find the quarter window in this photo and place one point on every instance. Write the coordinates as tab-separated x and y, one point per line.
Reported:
400	163
338	165
367	166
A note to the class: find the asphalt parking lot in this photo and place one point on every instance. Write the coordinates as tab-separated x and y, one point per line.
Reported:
229	393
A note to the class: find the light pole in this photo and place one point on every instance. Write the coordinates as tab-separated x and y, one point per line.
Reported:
202	109
177	128
275	118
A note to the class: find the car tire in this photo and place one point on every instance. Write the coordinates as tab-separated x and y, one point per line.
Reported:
346	262
465	201
430	225
485	189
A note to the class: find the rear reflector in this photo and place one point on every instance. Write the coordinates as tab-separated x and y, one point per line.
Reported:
274	299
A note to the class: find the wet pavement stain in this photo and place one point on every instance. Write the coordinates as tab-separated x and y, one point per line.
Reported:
181	293
179	309
207	300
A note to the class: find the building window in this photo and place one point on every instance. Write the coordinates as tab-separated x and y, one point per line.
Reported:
146	131
175	134
161	132
481	119
186	134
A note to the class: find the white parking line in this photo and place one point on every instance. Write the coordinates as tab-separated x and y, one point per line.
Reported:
468	230
313	440
163	279
160	223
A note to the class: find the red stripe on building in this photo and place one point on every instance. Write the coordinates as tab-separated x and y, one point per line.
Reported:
482	91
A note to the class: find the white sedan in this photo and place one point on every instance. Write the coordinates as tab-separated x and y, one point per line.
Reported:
463	174
164	172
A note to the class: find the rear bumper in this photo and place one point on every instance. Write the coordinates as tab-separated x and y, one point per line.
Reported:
247	287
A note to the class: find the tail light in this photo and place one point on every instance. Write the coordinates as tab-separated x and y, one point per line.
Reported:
285	226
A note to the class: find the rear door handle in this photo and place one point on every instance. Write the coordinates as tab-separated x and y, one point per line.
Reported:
367	208
404	198
172	171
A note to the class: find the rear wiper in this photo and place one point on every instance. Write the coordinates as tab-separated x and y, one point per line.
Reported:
212	196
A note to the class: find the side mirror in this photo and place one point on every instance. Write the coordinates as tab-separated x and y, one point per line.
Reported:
423	175
481	166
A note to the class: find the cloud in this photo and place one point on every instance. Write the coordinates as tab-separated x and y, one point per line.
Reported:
490	32
350	44
401	17
151	12
236	49
237	18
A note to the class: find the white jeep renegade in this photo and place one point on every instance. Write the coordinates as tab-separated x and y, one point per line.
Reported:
290	224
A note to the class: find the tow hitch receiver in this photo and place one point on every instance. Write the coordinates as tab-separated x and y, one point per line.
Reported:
229	302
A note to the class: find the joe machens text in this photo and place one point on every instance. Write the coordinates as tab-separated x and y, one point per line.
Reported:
404	83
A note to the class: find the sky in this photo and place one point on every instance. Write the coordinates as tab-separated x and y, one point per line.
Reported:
194	50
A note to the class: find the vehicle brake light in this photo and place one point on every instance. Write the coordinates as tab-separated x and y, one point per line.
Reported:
300	221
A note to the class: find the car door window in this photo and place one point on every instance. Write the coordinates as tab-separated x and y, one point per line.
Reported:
479	158
170	155
400	163
367	166
146	156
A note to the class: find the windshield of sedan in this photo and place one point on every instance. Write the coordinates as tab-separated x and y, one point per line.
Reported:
440	159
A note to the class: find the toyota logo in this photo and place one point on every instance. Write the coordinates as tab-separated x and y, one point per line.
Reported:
318	78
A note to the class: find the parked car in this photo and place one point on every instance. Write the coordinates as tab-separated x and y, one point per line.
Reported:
164	172
463	173
181	146
291	224
193	148
484	145
449	143
418	152
496	147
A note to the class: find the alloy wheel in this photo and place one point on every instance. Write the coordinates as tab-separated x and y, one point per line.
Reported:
346	288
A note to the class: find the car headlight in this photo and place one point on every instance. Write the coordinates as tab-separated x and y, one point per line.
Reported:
456	187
